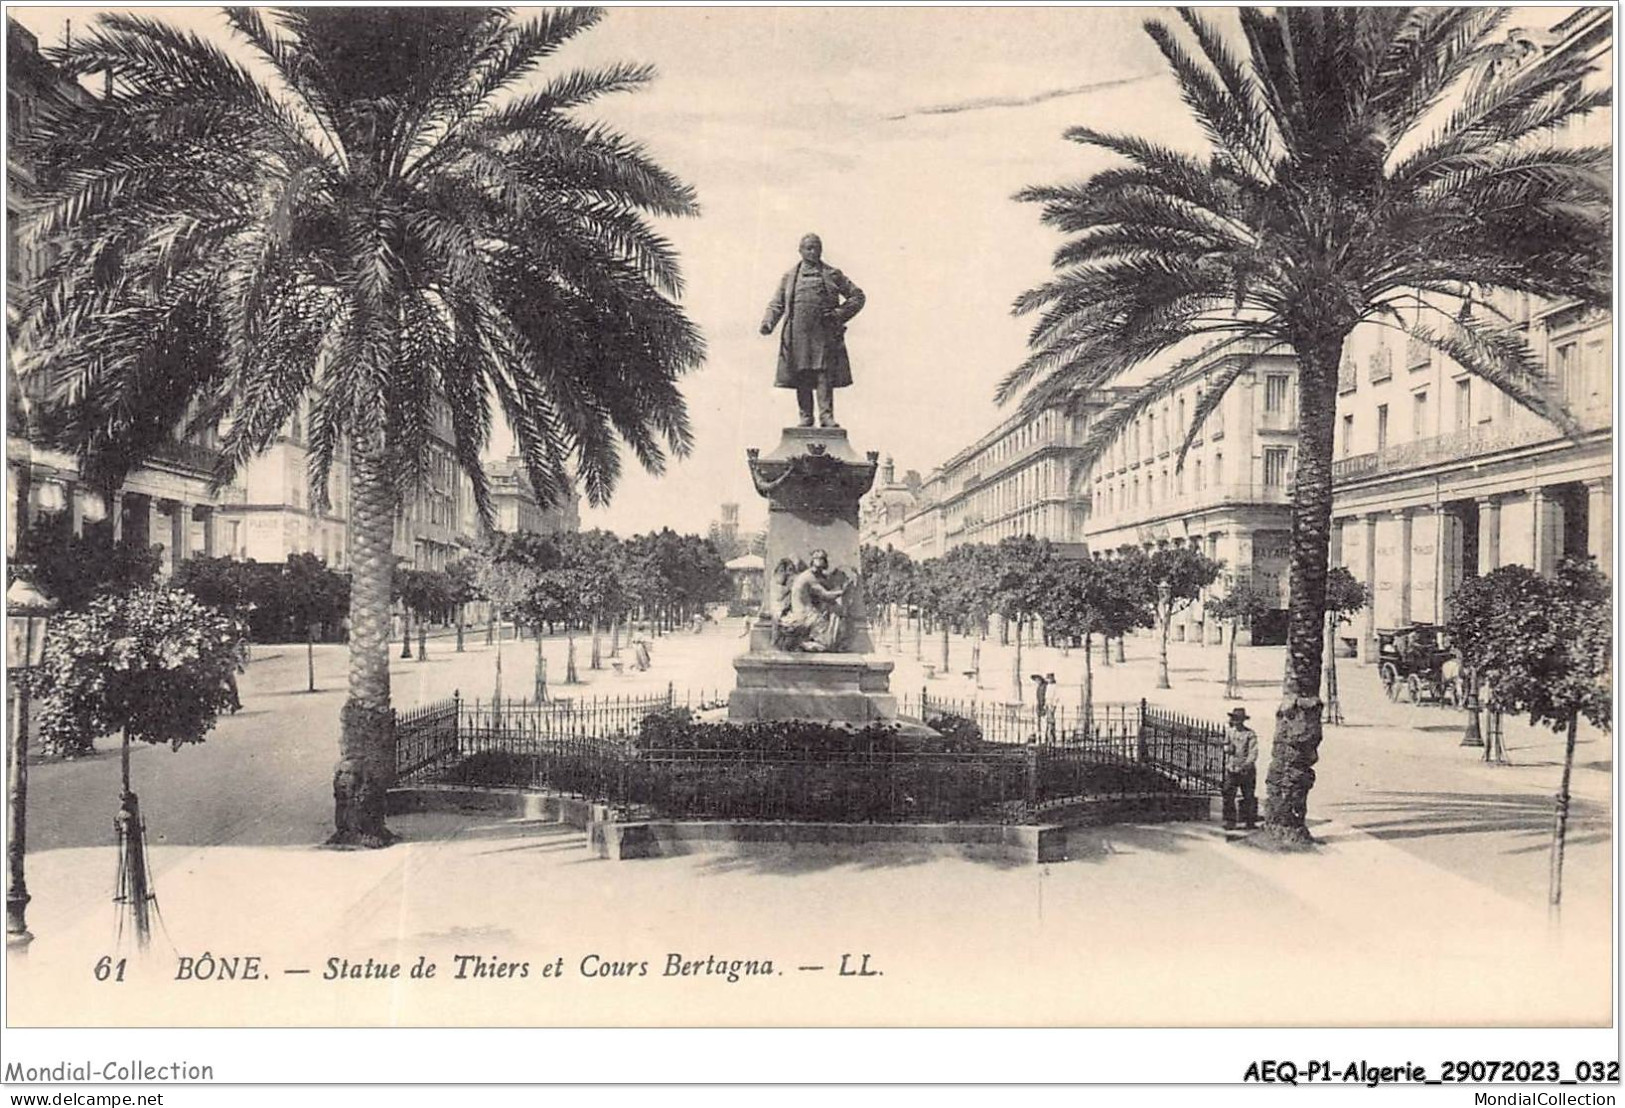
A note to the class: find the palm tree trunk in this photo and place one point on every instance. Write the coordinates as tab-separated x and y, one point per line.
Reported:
1560	830
945	648
1121	660
615	638
976	661
366	766
570	677
539	692
597	661
1297	721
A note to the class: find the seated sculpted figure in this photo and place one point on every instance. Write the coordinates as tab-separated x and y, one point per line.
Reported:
814	621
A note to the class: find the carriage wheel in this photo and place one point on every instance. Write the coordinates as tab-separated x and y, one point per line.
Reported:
1390	680
1413	686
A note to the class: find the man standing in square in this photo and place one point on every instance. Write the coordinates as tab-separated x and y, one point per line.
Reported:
1240	770
815	301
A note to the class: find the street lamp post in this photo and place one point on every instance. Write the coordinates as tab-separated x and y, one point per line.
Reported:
27	610
1472	736
1164	595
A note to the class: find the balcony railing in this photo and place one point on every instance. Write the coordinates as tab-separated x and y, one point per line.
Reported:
1197	500
190	456
1469	442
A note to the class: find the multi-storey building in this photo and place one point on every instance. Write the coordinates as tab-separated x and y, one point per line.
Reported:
167	502
266	512
884	512
1021	478
518	509
1440	476
1231	498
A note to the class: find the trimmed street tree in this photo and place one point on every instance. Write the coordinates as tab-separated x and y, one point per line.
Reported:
886	576
380	212
600	556
1545	646
504	578
461	590
425	593
1344	596
1360	164
1241	605
1089	597
1020	573
1176	576
975	574
152	665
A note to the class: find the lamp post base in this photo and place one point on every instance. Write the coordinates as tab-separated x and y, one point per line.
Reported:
17	934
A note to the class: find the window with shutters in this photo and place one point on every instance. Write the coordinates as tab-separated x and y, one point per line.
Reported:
1275	467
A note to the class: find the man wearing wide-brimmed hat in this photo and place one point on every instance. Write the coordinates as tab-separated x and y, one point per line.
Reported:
1240	770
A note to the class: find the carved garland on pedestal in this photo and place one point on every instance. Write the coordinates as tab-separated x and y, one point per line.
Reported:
816	483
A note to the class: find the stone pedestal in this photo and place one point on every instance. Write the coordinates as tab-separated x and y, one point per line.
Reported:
845	688
812	481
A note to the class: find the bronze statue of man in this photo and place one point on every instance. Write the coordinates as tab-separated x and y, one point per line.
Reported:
815	300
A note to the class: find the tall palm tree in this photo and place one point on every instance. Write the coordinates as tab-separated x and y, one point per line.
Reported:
1361	164
388	215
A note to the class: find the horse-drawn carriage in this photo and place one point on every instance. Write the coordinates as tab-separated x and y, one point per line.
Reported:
1417	663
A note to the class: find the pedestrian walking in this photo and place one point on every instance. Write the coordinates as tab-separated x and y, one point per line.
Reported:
1240	771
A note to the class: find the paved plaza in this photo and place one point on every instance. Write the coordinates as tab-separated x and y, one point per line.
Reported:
1433	866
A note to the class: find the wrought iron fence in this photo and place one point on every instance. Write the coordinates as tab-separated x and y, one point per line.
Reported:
1020	723
1023	765
426	740
561	717
1190	751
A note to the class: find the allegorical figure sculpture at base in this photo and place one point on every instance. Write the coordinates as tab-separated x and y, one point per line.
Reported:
813	619
815	301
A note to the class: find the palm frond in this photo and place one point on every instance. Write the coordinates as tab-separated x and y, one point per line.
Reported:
1213	394
1504	358
1229	124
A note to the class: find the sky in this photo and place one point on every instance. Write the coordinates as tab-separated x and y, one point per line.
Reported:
899	135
